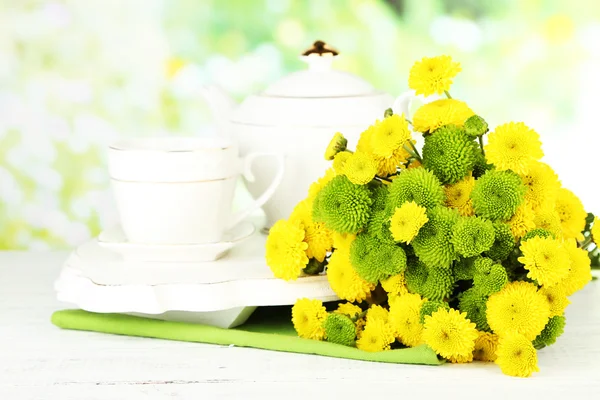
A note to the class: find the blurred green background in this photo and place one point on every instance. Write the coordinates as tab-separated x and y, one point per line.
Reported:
75	75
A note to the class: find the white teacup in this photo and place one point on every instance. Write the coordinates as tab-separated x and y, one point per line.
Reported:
179	190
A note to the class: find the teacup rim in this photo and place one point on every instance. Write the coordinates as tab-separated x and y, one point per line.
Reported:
141	144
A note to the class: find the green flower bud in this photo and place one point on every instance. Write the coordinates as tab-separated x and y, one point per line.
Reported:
339	329
475	126
538	232
552	331
337	144
429	307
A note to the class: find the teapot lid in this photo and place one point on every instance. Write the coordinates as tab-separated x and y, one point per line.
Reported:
317	97
319	80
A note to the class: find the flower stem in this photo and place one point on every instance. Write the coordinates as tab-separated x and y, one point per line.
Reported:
481	144
414	149
382	178
586	242
447	94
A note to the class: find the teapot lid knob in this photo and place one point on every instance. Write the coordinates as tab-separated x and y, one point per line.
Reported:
321	48
319	56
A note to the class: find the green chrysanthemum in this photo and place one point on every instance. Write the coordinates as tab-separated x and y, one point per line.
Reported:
418	185
374	261
343	206
538	232
497	195
472	235
392	259
379	194
553	329
504	242
433	245
429	307
379	226
449	154
464	269
489	277
432	283
475	126
339	329
415	275
473	302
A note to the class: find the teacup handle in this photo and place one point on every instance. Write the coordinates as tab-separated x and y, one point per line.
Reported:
403	102
262	199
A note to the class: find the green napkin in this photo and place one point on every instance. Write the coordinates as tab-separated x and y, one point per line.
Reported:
268	328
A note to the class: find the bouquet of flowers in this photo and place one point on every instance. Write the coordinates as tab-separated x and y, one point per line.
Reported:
472	249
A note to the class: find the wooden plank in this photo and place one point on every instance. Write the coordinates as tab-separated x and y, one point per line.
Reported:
40	361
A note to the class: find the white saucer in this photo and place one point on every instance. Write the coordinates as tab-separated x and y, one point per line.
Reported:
115	240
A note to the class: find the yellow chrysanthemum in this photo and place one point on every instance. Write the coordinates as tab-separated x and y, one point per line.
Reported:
377	312
486	345
596	230
580	272
360	168
344	280
557	299
571	213
404	318
389	135
385	165
308	317
286	250
317	236
461	359
542	184
458	196
320	183
523	221
342	241
450	334
516	355
338	143
433	75
546	259
407	220
340	160
349	309
395	285
415	164
360	327
547	218
376	336
518	307
513	146
436	114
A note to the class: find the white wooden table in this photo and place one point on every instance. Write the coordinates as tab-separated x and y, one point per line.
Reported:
40	361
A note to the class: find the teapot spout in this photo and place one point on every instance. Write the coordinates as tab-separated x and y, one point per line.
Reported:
220	102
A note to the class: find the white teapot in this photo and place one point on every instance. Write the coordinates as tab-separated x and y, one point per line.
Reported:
297	116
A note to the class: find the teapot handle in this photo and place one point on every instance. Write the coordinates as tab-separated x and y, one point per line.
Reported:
403	103
262	199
